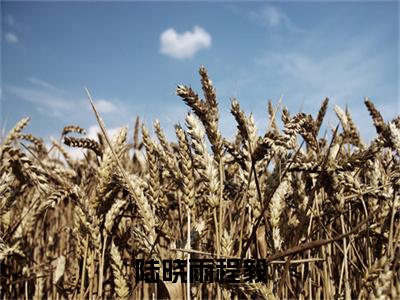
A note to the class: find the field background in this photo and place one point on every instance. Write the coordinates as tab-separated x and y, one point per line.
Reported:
113	147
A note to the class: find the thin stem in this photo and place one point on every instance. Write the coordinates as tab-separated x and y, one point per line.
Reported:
84	268
188	254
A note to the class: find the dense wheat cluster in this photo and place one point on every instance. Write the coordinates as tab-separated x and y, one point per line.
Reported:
323	212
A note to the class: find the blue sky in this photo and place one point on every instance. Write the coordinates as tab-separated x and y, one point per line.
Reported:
131	56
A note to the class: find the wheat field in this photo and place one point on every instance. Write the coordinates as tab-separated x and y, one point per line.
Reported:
322	210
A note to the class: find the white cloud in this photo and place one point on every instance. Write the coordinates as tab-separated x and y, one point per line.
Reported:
11	38
44	99
273	17
338	75
42	83
95	129
75	153
104	106
47	99
184	45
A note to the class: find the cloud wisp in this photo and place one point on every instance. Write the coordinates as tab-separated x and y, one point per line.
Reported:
184	45
43	99
105	106
339	75
273	17
94	130
11	38
50	99
43	84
